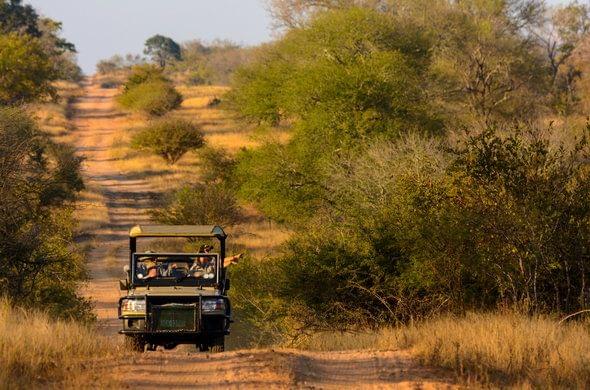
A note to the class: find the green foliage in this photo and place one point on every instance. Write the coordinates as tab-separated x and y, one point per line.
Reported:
15	17
169	138
348	77
39	263
217	166
410	229
201	204
23	20
141	74
26	71
162	50
147	91
152	98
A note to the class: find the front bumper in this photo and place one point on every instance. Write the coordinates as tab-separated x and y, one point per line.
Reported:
198	324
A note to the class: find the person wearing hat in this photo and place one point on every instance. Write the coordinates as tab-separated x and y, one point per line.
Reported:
202	262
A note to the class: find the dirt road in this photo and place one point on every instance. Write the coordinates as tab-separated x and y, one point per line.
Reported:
98	123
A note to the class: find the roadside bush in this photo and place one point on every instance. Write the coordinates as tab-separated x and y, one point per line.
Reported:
152	98
147	91
217	166
141	74
26	71
39	262
169	138
412	228
201	204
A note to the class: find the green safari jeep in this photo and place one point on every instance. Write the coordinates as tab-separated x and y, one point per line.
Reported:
175	298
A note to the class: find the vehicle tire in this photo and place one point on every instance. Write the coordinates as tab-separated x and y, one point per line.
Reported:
134	343
203	347
217	344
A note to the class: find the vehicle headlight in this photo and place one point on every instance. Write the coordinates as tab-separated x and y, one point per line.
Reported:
213	306
133	306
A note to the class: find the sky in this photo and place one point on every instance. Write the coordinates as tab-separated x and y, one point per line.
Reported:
102	28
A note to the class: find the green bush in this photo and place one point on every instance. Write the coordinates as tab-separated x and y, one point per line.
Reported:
201	204
149	92
153	98
141	74
217	166
169	138
39	262
26	71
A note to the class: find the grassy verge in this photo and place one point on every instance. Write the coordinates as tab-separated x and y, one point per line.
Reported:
494	349
36	351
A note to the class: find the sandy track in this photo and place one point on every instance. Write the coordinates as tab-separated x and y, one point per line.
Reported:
127	200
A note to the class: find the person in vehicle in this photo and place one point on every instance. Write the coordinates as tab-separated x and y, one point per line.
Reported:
205	263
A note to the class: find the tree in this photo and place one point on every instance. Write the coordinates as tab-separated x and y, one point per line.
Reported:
348	77
561	33
169	138
39	263
15	17
162	49
26	71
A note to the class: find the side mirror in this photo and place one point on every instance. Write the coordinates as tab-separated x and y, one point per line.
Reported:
123	285
227	284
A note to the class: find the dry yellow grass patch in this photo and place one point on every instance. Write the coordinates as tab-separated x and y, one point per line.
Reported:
91	211
499	349
55	117
36	351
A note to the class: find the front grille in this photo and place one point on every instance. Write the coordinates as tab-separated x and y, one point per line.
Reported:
182	315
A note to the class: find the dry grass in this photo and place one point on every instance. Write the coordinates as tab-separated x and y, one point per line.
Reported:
506	350
36	351
55	117
91	211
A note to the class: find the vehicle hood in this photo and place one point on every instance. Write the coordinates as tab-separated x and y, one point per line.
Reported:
173	291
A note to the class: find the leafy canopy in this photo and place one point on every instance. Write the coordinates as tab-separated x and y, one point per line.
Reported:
162	49
169	138
26	71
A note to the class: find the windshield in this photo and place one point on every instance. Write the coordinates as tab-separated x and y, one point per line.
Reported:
172	268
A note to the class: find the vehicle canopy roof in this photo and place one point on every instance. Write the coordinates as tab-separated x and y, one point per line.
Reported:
177	231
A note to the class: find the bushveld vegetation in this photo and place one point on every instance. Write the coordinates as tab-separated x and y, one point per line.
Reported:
147	91
41	266
169	138
437	162
191	63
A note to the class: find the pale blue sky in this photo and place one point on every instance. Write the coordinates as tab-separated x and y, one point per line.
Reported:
101	28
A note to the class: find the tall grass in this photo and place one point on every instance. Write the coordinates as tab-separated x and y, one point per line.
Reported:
36	351
500	349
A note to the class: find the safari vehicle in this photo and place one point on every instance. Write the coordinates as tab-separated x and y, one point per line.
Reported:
175	298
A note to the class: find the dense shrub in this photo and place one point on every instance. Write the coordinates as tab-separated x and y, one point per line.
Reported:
26	71
201	204
169	138
153	98
148	91
39	263
414	227
217	166
344	79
